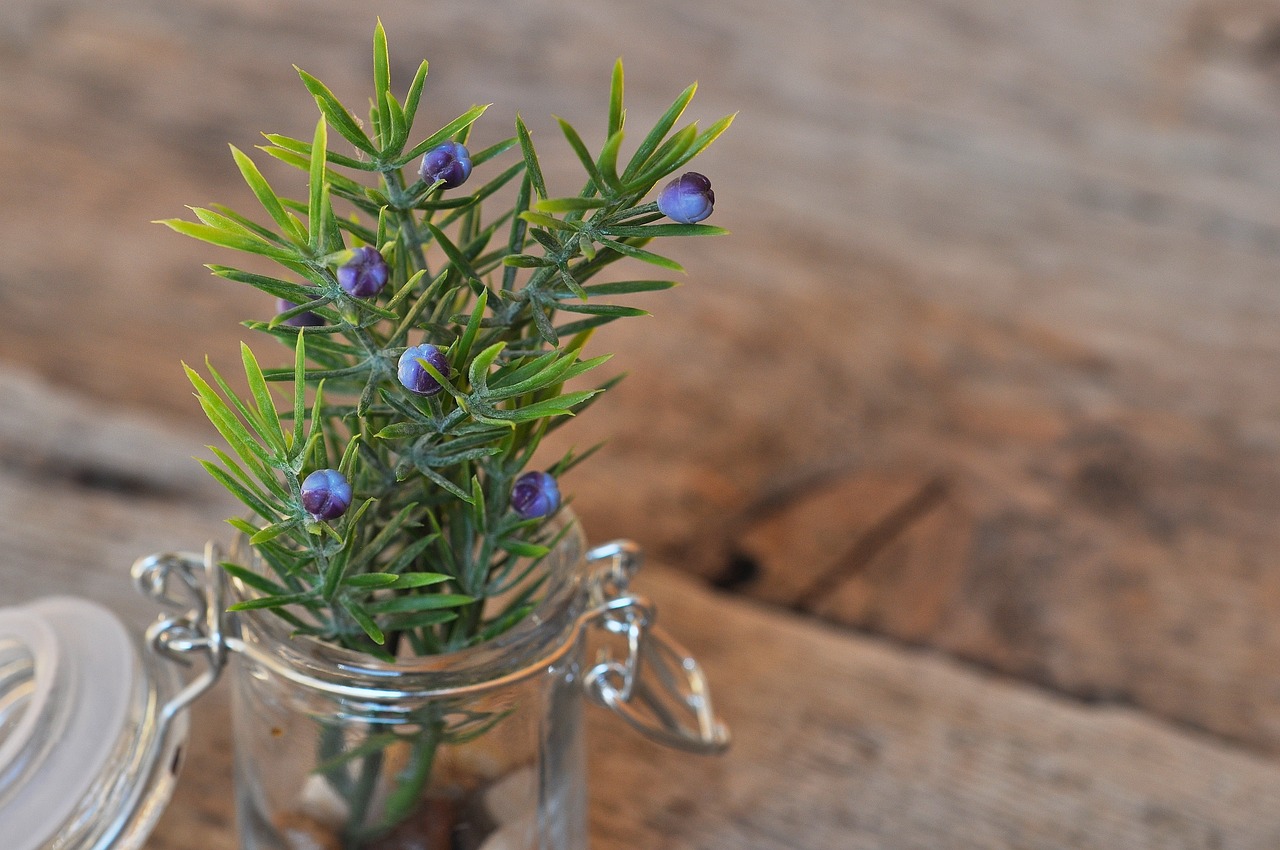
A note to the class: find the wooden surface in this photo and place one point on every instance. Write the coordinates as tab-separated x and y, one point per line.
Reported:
842	740
985	379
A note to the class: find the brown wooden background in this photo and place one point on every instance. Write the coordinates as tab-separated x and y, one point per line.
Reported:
988	368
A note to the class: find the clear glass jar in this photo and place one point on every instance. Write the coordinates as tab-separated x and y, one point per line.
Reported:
474	750
88	751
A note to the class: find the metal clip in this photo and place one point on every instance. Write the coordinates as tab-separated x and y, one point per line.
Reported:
659	687
196	627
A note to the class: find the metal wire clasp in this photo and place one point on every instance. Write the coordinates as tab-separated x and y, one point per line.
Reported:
196	626
658	688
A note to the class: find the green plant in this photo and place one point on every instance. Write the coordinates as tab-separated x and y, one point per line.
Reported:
433	343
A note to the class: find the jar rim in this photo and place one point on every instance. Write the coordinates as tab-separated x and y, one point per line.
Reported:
541	636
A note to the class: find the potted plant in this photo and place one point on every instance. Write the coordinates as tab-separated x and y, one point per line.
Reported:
409	588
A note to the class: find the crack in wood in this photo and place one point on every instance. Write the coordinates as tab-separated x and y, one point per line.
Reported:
50	471
872	542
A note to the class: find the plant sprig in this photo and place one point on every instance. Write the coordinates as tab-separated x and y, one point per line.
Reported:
489	314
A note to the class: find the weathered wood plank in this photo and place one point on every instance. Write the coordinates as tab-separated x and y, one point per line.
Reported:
1029	250
841	741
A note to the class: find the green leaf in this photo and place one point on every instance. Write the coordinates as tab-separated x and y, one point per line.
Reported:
627	287
462	350
402	581
444	483
295	292
559	406
411	552
651	231
530	158
519	228
462	122
419	602
370	580
271	532
664	158
381	66
348	461
225	421
576	288
456	257
479	370
408	580
317	187
563	205
336	113
527	261
616	311
523	548
616	113
641	254
273	601
297	153
542	324
232	222
365	622
267	197
405	622
400	430
550	222
608	161
224	238
704	140
270	419
299	395
253	579
265	480
251	500
659	131
415	94
584	156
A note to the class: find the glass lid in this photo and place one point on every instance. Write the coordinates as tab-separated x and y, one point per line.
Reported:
83	733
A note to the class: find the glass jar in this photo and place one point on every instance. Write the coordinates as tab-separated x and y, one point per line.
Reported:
472	750
475	750
88	749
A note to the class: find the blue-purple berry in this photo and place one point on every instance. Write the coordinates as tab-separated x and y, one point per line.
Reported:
414	377
305	319
326	494
364	275
449	163
535	494
688	199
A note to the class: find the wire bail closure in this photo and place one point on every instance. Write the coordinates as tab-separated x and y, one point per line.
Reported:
196	627
657	687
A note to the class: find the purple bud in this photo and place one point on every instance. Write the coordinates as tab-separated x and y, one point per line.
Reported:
326	494
688	199
535	494
302	320
417	379
450	163
364	275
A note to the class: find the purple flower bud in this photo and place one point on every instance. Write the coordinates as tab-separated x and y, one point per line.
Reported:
364	275
535	494
302	320
688	199
417	379
326	494
450	163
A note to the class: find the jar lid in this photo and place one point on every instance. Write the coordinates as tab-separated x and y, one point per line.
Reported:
81	729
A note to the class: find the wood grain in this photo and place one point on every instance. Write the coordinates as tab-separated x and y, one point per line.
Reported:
841	740
1026	250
